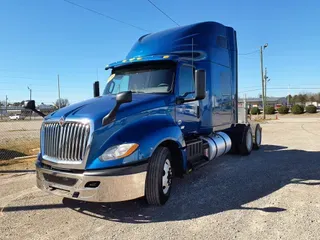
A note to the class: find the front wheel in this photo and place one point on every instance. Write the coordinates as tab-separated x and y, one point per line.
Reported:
159	177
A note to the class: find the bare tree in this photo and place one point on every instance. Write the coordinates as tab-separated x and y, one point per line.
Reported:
302	98
62	102
17	104
312	98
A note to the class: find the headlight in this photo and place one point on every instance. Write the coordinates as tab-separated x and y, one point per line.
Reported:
119	151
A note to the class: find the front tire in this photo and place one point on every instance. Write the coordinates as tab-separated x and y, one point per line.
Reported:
159	177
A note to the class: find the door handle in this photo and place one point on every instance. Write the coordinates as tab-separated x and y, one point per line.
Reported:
198	112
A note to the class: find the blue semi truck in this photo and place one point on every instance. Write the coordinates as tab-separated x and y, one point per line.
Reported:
168	108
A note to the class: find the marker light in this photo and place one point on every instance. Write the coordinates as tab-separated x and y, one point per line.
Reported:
166	56
119	151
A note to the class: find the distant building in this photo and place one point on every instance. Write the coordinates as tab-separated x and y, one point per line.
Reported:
257	102
313	103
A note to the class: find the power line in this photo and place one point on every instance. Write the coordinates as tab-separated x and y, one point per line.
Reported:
252	90
106	16
249	53
163	13
280	88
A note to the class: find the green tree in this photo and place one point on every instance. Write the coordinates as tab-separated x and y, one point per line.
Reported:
283	110
311	109
297	109
294	99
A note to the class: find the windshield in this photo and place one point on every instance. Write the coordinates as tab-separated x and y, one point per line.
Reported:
156	78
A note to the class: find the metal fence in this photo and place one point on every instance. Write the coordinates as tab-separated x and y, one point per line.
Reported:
19	138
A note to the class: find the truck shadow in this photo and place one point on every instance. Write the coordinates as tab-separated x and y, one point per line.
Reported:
226	184
6	154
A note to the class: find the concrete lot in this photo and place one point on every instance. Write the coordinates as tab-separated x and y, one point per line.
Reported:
271	194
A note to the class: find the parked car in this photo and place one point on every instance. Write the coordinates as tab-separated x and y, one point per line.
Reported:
17	117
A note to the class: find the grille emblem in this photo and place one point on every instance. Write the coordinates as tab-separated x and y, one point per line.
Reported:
61	121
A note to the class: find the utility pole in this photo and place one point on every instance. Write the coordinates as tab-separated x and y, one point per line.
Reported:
266	79
262	79
59	100
288	100
6	104
30	92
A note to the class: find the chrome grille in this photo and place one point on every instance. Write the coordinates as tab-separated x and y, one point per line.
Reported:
67	142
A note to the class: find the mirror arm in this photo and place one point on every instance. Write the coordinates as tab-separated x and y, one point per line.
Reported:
189	100
39	113
111	115
181	100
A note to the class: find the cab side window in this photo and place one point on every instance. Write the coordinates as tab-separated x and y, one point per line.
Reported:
186	82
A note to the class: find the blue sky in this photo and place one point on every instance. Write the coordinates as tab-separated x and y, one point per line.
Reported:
42	38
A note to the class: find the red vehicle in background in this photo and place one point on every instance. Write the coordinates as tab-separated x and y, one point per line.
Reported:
277	106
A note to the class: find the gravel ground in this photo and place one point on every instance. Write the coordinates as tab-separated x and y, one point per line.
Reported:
271	194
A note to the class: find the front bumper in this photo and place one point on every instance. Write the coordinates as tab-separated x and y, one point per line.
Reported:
110	185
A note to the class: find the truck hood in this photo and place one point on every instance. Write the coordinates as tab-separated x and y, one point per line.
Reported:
96	108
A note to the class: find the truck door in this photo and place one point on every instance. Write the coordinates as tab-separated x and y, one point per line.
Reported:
222	97
187	114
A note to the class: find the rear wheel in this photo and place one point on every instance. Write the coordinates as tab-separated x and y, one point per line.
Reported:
159	177
246	144
257	137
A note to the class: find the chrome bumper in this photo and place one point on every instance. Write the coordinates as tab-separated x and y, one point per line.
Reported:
73	185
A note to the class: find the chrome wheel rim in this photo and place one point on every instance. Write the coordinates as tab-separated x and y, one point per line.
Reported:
249	140
166	176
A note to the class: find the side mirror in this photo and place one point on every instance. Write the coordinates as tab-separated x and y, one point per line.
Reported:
96	89
200	84
124	97
29	105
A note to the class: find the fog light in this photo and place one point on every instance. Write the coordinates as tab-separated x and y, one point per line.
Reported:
92	184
